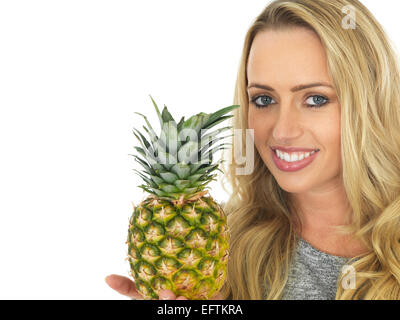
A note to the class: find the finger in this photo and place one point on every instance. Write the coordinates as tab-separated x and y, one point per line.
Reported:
218	296
124	286
166	295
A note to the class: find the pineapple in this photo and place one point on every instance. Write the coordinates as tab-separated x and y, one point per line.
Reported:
178	236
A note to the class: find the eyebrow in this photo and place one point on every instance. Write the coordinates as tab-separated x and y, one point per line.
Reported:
294	89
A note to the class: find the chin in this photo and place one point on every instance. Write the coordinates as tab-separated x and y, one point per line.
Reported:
291	183
292	187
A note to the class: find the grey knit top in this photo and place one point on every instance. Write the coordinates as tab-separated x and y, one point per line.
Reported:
313	275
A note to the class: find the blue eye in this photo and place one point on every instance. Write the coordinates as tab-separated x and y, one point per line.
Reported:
318	100
261	101
264	101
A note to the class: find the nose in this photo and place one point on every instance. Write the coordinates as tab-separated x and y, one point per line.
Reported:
287	125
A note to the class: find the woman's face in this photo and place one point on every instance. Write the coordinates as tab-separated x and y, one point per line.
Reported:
282	116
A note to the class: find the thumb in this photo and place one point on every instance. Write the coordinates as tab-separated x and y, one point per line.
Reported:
217	296
124	286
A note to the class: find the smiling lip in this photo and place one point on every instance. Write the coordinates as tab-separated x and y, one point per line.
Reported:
293	149
292	166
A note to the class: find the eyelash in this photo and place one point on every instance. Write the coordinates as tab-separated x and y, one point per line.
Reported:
316	106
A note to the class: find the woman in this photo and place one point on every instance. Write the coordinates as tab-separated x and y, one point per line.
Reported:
318	80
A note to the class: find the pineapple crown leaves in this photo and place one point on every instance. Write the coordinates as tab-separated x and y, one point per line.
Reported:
180	160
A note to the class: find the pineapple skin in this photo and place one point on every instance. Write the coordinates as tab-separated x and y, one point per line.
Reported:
180	245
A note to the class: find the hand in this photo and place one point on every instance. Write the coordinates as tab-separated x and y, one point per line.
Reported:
124	286
127	287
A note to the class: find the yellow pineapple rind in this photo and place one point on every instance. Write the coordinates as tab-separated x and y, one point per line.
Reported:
180	245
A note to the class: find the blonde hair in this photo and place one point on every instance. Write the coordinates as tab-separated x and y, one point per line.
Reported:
365	71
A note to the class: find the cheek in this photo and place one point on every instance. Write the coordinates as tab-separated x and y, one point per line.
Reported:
250	118
261	127
327	135
330	133
336	144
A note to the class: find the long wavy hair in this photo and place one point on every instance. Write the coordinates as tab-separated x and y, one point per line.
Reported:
364	67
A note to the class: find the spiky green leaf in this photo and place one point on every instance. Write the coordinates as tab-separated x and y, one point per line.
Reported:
148	190
212	124
211	143
166	116
149	129
191	190
169	188
169	176
212	134
142	139
166	159
182	184
180	123
195	177
196	122
219	114
144	164
169	137
157	111
147	180
149	158
189	152
157	179
181	169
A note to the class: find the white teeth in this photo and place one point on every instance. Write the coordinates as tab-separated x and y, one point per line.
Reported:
295	156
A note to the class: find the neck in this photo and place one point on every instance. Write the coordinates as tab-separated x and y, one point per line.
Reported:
318	212
322	210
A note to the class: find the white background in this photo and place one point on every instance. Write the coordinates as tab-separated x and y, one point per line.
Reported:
72	74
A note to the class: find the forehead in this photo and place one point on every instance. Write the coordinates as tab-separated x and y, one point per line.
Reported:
294	55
